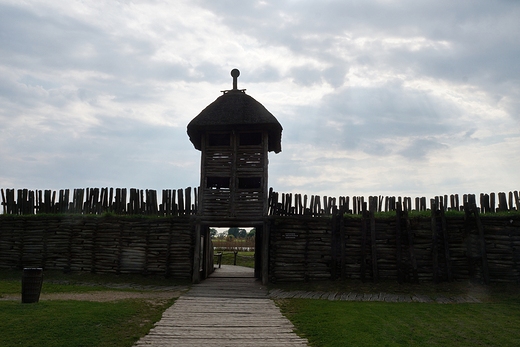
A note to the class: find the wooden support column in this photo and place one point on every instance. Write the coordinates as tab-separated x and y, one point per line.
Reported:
265	253
196	255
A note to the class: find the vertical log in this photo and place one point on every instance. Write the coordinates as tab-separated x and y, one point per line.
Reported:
411	247
375	272
123	200
492	202
363	242
333	246
483	252
398	253
446	244
502	202
517	200
111	200
467	238
265	252
180	204
187	193
435	258
31	204
4	202
342	240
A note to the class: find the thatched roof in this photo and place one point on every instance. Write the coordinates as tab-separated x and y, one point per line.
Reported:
236	110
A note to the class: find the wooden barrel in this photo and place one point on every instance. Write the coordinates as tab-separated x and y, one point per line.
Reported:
32	280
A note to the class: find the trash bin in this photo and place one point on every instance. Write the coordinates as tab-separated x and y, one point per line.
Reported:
32	280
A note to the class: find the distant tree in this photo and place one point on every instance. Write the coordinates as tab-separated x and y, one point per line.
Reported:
242	233
213	232
233	231
251	233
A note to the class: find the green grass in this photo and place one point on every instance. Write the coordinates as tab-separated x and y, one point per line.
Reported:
246	259
77	323
340	323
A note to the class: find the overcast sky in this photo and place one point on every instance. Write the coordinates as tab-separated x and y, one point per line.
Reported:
405	98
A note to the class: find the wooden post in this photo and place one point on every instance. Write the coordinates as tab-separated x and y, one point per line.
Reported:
333	246
375	273
483	252
467	238
363	242
196	255
342	241
435	259
446	245
411	248
265	253
398	259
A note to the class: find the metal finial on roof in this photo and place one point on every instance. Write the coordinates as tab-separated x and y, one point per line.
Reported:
235	73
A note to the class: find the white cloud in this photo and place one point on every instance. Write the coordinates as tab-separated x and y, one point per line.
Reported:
375	97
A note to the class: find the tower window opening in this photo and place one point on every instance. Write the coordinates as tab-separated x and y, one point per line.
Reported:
250	139
219	139
249	182
217	182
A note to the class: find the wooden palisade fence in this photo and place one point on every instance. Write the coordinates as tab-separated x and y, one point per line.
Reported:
288	204
402	248
101	200
185	202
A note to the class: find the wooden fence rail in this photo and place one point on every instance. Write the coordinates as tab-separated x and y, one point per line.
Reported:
119	201
288	204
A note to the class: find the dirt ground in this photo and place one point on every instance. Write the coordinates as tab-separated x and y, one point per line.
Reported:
104	296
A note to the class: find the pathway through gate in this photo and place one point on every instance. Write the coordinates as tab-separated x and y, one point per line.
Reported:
230	308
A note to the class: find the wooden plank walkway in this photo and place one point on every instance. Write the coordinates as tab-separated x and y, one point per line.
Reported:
230	308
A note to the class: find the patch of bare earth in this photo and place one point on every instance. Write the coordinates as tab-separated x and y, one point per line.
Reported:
104	296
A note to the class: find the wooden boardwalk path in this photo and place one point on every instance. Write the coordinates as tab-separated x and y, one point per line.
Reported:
230	308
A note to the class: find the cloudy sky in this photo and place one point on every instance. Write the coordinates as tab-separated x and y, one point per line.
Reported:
376	97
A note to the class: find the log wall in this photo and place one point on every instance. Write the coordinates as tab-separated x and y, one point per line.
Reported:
121	245
437	249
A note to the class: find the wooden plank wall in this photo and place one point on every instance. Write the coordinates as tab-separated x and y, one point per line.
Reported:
436	249
288	204
159	246
134	201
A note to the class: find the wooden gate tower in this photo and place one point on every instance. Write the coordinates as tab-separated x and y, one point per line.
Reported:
234	134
